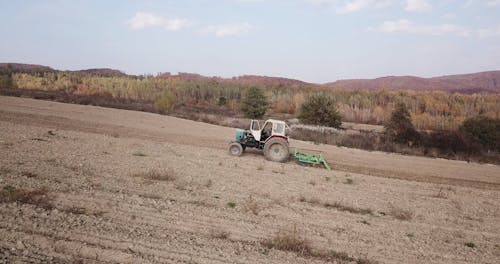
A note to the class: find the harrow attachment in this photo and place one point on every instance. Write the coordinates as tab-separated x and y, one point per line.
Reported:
308	159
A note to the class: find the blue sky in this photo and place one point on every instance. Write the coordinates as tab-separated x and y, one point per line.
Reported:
312	40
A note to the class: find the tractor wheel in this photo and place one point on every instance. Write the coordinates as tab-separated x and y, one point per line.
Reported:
276	149
235	149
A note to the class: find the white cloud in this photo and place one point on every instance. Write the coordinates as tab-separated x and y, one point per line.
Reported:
143	20
493	3
228	29
323	2
418	6
353	6
489	32
350	6
406	26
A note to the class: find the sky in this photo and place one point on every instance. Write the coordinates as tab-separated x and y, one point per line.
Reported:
311	40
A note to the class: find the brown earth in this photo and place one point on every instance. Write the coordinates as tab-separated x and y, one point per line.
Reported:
134	187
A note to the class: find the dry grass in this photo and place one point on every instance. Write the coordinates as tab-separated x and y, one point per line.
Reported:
349	181
139	154
165	175
313	200
75	210
338	206
39	198
251	205
291	240
344	208
29	174
150	196
401	214
219	234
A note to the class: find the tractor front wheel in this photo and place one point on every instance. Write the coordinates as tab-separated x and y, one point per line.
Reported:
235	149
276	149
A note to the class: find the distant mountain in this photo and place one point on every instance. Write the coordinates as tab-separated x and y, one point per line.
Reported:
244	79
34	68
24	68
482	82
488	82
103	72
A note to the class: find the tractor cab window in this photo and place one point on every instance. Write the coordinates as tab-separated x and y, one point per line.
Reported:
266	131
255	125
279	129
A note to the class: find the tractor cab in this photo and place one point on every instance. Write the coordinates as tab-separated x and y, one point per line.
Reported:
271	128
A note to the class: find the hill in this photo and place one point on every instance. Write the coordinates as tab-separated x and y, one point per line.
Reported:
482	82
488	82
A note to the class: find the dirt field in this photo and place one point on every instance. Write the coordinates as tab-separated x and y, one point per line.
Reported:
97	185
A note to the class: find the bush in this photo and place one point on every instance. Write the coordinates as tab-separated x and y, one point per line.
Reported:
222	101
399	128
166	101
6	81
255	104
319	109
483	130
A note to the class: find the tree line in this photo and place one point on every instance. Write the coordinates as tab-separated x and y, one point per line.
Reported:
430	110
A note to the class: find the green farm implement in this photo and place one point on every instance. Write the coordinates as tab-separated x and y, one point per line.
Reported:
308	159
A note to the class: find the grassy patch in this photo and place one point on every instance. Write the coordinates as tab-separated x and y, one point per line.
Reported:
39	198
231	204
165	175
338	206
471	244
344	208
139	154
291	240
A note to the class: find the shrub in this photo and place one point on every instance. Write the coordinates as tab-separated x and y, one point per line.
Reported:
483	130
319	109
6	81
289	240
254	104
222	101
399	127
470	244
164	175
166	101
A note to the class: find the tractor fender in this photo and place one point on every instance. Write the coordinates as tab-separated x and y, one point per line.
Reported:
285	138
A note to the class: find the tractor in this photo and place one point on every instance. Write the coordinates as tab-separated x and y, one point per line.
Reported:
271	139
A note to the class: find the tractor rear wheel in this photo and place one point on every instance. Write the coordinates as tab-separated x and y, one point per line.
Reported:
235	149
276	149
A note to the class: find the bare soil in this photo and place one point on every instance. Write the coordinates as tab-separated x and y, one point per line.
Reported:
118	186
